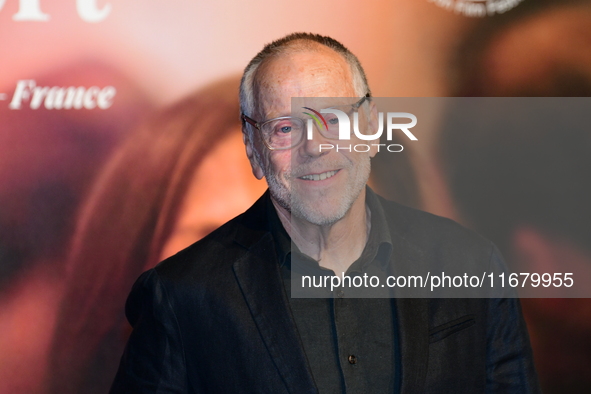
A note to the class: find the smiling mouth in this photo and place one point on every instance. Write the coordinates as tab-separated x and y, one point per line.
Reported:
319	177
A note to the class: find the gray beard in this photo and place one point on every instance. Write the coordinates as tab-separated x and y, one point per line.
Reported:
296	203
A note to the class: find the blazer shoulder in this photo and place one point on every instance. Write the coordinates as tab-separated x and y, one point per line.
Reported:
427	231
218	251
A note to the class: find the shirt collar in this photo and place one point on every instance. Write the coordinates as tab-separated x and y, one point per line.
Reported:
378	246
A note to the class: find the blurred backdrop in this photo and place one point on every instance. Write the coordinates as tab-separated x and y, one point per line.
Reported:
105	107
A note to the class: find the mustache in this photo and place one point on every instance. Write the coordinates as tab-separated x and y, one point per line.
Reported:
316	168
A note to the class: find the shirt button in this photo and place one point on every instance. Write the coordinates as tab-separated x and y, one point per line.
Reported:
352	359
340	293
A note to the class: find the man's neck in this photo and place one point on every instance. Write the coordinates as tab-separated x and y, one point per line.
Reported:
335	246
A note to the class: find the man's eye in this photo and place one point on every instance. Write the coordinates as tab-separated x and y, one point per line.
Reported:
284	129
333	120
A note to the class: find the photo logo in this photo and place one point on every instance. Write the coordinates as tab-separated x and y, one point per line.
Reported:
335	124
477	8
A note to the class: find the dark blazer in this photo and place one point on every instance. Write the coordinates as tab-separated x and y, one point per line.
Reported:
215	318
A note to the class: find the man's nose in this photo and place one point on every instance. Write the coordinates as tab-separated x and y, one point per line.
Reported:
314	143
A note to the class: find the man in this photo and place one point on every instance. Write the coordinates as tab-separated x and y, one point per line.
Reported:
217	316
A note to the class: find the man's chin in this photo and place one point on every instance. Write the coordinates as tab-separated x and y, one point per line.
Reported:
317	214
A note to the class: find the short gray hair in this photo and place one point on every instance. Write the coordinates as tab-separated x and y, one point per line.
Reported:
277	47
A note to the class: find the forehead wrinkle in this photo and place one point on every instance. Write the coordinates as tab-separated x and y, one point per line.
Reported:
303	73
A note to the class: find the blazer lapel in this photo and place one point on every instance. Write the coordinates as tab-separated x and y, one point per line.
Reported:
413	339
259	277
413	320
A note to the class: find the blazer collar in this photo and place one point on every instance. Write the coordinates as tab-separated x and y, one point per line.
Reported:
253	224
259	277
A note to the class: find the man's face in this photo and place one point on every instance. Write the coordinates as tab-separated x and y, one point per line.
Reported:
318	187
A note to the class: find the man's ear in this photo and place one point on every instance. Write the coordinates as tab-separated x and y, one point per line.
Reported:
257	170
373	124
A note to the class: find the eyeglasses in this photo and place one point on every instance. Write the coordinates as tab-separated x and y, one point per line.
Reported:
287	132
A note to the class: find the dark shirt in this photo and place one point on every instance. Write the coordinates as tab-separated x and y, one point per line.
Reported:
349	342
